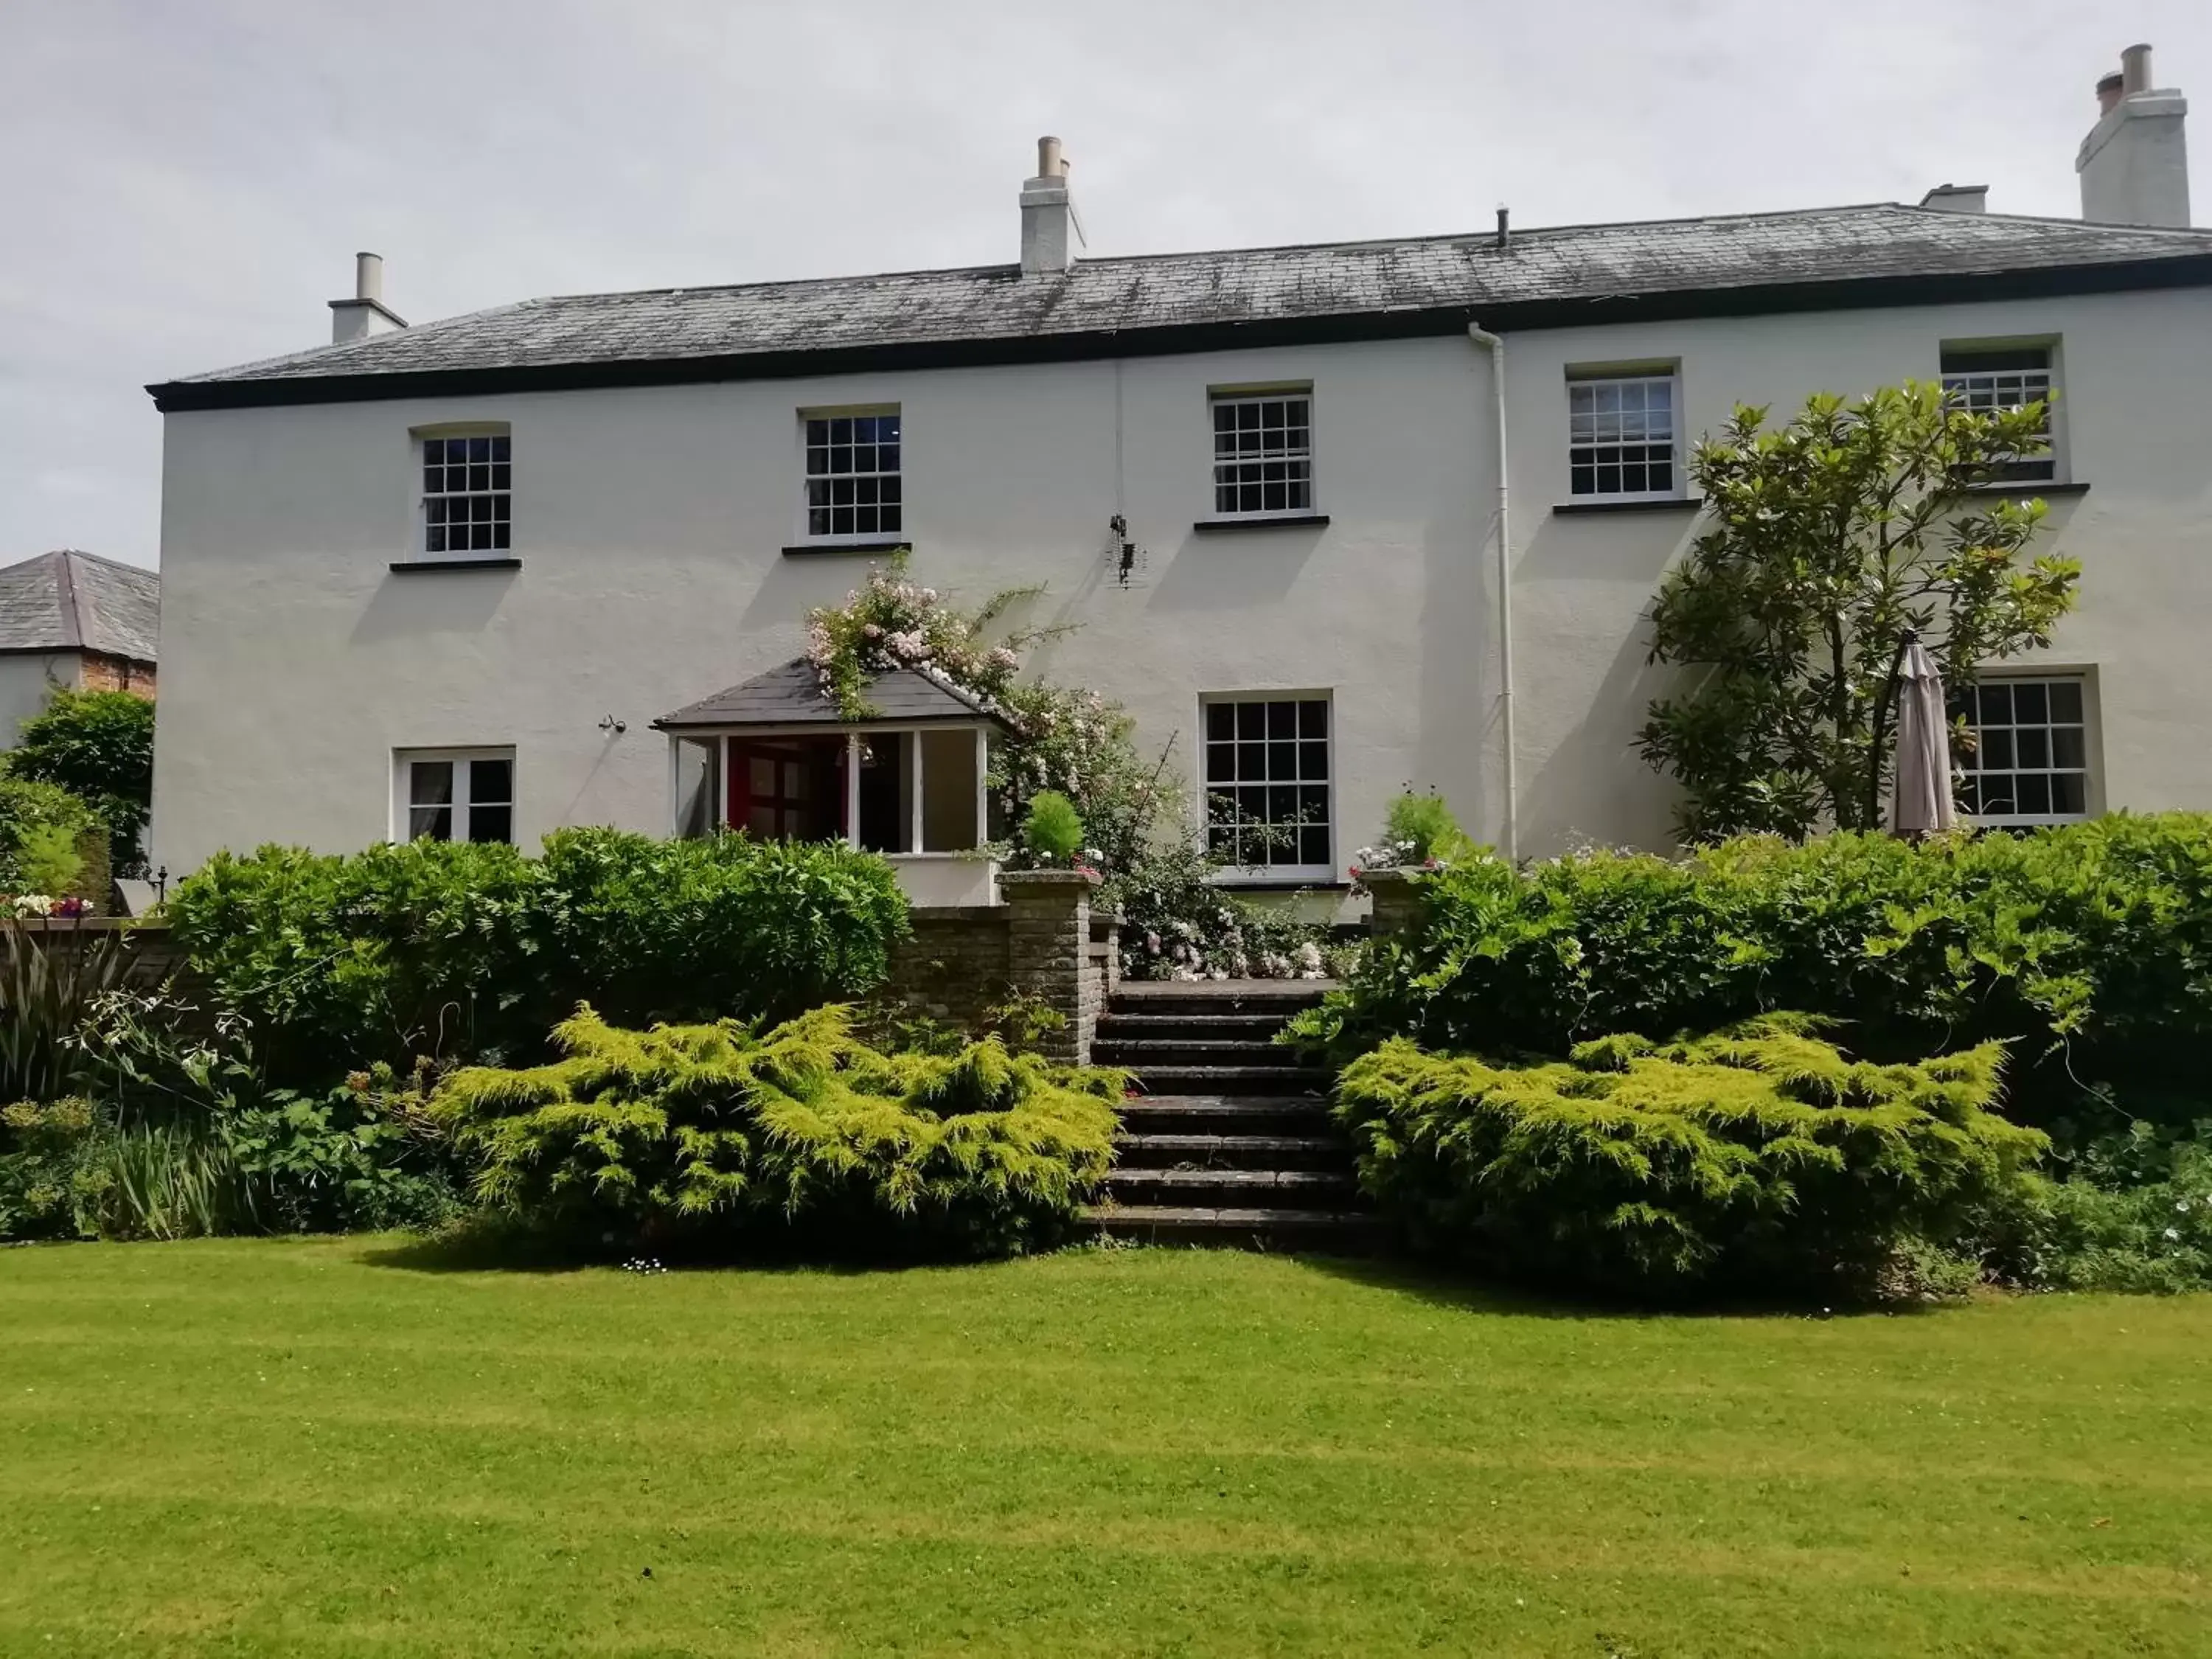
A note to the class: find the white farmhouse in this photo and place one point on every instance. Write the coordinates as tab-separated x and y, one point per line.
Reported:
1330	520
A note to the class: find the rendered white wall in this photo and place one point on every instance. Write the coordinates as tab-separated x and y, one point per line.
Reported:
649	522
26	681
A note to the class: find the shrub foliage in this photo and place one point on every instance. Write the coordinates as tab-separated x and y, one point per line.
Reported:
98	745
2084	944
2133	1213
32	811
474	951
714	1133
1759	1157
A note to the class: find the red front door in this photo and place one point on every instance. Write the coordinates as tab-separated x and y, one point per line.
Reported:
788	789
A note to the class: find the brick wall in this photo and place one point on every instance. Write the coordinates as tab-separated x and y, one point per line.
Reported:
98	671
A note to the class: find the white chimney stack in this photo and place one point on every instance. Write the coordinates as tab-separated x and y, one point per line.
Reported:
365	313
1051	232
2135	162
1958	198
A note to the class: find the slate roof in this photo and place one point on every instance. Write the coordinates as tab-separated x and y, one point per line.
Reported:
1848	252
76	601
791	696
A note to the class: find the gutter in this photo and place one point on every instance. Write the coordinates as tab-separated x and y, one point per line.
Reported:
1496	347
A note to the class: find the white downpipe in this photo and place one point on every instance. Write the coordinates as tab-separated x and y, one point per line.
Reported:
1496	350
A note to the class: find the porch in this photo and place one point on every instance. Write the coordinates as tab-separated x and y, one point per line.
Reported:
775	758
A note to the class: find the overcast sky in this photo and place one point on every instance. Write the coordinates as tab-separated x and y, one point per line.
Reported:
185	181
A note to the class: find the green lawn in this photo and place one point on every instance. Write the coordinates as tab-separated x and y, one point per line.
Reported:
304	1447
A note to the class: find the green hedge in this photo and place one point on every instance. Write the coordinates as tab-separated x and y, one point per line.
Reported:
2089	946
715	1135
1759	1157
474	951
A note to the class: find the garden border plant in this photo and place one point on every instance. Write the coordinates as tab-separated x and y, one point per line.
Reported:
2081	944
1758	1158
461	951
725	1136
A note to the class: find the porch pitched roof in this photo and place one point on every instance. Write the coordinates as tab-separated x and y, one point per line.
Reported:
792	695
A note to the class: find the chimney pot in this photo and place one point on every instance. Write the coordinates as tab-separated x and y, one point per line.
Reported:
1051	163
2135	71
368	277
2108	92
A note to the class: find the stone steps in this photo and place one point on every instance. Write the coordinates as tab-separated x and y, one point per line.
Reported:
1232	1080
1222	1114
1231	1151
1231	1142
1143	1055
1343	1232
1205	1188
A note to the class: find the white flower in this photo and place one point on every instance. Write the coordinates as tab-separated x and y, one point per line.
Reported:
2172	1234
2182	1208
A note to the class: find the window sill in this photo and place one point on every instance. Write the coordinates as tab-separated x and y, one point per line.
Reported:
1662	504
404	567
2028	487
1283	884
1281	522
809	550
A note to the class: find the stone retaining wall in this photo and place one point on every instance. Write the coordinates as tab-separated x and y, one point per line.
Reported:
1040	944
960	964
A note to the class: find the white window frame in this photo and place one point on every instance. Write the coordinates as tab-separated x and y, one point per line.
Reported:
403	761
1274	873
422	438
808	477
1979	388
1286	455
2085	683
1588	429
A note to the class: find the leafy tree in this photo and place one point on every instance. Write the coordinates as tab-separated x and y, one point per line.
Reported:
1832	537
98	745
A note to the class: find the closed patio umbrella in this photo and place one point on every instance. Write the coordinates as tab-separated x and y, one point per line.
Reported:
1920	797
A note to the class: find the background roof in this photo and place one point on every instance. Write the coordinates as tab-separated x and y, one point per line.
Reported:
72	601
